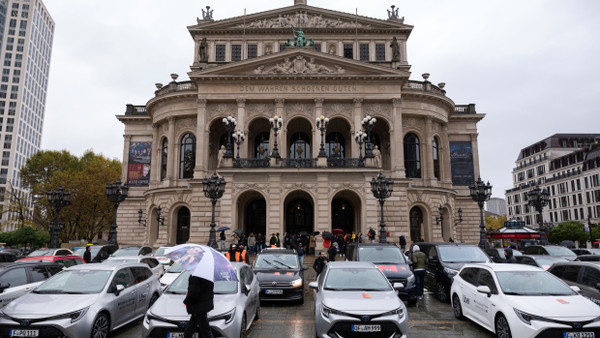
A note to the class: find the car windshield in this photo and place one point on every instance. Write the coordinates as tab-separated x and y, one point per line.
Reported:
381	255
462	254
180	285
547	261
126	252
79	252
122	260
560	251
355	279
160	252
41	252
175	268
532	283
276	261
75	282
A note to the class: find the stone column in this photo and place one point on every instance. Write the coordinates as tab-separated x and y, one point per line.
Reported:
202	141
228	51
445	168
397	140
172	153
241	120
125	168
476	168
212	51
316	132
357	118
372	49
281	134
156	158
427	162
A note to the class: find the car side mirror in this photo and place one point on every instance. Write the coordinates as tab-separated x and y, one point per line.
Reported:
120	287
577	289
484	289
398	286
314	286
4	286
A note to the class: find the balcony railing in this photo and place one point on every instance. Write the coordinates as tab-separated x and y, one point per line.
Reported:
338	162
251	163
332	162
298	162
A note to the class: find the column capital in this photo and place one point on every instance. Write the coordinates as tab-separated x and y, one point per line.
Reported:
202	102
357	101
279	102
319	102
241	102
171	119
397	102
127	137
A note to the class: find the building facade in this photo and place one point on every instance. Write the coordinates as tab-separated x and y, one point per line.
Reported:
568	167
26	34
496	206
277	73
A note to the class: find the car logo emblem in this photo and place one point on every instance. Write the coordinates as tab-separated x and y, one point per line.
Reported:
182	325
274	283
577	325
365	318
25	322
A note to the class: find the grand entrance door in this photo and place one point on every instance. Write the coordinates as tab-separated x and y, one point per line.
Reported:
183	225
256	217
342	216
416	220
299	216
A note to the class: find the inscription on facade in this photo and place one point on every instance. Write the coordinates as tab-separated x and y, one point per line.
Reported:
299	89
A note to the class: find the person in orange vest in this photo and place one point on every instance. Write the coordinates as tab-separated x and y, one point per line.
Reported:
232	253
242	255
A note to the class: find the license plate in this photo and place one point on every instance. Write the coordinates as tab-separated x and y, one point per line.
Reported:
579	335
274	292
366	328
179	335
23	333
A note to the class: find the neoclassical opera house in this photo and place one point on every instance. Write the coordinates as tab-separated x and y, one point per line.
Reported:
324	102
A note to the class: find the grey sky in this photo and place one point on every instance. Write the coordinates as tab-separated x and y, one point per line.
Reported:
531	66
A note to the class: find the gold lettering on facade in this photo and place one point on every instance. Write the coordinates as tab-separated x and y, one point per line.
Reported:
299	89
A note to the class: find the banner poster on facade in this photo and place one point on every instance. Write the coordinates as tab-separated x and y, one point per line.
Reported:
461	162
138	170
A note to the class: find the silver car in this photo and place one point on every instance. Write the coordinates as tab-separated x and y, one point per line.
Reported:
82	301
153	263
236	307
355	298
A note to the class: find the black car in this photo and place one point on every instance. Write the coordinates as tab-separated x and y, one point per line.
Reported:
444	262
541	261
98	252
585	275
552	250
390	260
280	275
497	254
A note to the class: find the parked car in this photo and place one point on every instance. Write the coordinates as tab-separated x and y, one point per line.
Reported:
16	252
171	273
356	299
88	300
151	262
584	275
17	279
444	262
388	258
98	252
541	261
588	258
497	254
592	251
67	261
51	252
7	257
236	307
517	300
280	275
160	255
133	251
551	250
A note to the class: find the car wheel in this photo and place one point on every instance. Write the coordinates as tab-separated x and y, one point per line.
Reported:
502	327
243	331
457	307
441	292
101	326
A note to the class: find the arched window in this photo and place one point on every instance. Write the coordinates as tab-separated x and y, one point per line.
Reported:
436	158
183	225
261	149
164	151
187	159
335	145
300	146
412	156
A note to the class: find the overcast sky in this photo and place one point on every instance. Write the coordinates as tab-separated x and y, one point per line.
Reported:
531	66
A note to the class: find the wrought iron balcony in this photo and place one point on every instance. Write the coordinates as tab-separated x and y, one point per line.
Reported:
332	162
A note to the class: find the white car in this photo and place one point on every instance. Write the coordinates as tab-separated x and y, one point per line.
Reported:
516	300
171	273
160	255
157	268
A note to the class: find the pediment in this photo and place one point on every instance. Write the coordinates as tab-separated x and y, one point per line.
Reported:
300	16
299	62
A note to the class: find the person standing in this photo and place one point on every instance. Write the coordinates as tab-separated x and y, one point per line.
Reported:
419	263
232	254
222	238
332	251
251	243
402	243
273	241
87	255
371	235
312	244
242	255
260	242
199	300
320	262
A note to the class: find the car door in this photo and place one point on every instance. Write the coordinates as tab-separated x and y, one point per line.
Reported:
589	279
483	308
432	268
18	284
153	264
251	296
466	289
141	276
122	305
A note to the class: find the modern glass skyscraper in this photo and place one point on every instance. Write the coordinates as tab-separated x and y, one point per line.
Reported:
26	34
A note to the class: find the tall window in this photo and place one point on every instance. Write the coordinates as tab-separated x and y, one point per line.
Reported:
412	156
252	51
187	159
183	225
236	52
364	52
163	158
436	158
220	52
300	146
380	52
262	145
348	51
335	145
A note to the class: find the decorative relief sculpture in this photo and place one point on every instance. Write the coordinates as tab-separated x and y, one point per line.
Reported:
303	19
259	108
223	109
299	66
338	108
184	123
299	108
203	50
377	109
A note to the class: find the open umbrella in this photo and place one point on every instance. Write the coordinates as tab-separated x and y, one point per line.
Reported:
223	228
202	261
238	231
568	244
314	233
303	233
337	231
327	235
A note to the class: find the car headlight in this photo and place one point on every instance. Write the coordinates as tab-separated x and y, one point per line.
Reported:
527	317
327	311
410	279
227	317
451	272
74	316
399	311
296	282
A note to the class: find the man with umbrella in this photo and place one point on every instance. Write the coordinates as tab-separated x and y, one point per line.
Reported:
199	302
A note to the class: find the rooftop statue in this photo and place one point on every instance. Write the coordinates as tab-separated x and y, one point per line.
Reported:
299	39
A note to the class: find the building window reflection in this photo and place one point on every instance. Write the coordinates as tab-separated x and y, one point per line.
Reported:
436	158
164	151
187	159
262	145
300	147
412	156
335	145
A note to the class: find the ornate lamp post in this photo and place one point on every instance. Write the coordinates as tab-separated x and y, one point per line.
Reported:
481	192
459	221
213	188
360	137
238	137
57	199
276	123
382	188
368	123
321	124
539	198
441	217
230	124
116	193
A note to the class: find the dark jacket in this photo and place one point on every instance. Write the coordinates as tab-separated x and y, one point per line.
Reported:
222	235
87	256
509	256
332	251
200	295
402	240
319	264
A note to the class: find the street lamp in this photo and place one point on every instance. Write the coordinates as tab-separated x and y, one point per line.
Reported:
230	124
368	123
321	124
116	193
213	188
539	198
382	188
238	137
360	137
481	192
57	199
441	217
276	123
459	221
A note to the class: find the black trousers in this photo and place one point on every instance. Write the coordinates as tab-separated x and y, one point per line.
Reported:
198	323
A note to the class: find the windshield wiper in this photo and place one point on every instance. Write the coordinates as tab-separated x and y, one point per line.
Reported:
268	262
177	292
74	292
515	293
49	291
278	262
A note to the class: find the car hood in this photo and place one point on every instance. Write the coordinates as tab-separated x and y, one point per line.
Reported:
33	305
277	275
361	302
170	306
395	270
169	277
570	308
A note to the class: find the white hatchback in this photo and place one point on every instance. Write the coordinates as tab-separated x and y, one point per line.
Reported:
515	300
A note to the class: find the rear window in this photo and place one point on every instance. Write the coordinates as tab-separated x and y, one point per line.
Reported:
274	261
462	254
381	255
